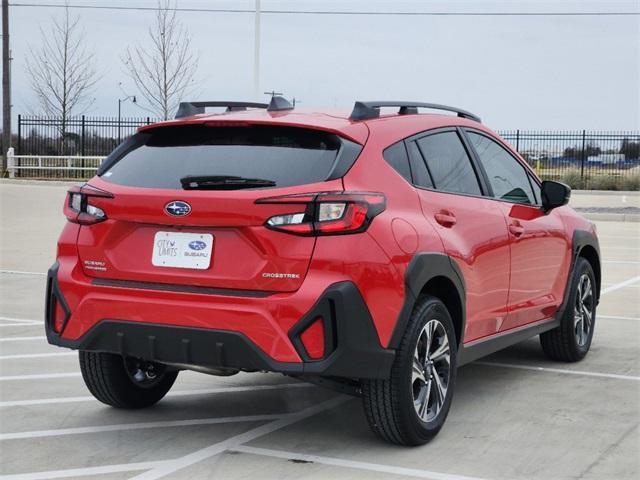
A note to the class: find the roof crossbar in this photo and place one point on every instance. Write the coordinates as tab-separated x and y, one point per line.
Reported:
277	104
367	110
187	109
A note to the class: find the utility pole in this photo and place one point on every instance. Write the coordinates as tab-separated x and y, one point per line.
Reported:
256	54
6	86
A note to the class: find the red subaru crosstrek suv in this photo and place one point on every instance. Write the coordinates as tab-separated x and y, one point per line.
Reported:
371	252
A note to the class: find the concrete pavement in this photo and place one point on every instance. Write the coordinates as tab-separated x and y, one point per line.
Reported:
515	415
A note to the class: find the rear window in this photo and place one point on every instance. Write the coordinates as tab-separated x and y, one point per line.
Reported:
281	156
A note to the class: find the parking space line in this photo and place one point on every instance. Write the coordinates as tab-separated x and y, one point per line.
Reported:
22	324
621	262
22	339
40	376
339	462
606	285
620	237
212	450
560	370
139	426
18	272
179	393
617	286
77	472
21	356
16	320
616	317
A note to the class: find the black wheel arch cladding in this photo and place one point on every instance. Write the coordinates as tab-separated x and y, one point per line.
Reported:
423	268
585	244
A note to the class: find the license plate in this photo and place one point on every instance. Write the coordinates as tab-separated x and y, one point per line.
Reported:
182	250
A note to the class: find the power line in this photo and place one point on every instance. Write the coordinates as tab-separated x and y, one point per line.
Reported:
327	12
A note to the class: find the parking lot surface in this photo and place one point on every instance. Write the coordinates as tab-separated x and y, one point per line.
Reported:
515	414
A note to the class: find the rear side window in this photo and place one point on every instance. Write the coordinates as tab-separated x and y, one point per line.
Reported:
276	156
448	163
508	178
396	156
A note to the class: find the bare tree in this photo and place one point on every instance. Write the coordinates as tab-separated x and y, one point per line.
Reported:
61	71
164	70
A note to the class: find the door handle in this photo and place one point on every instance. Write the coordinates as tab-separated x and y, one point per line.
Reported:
446	219
516	229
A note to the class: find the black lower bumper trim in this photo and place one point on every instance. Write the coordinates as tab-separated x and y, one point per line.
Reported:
357	352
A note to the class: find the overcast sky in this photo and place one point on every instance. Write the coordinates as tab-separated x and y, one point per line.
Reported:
527	72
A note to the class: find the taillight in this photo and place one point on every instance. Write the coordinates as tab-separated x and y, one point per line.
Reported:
326	213
79	207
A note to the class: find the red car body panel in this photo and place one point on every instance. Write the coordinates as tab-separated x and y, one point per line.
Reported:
509	281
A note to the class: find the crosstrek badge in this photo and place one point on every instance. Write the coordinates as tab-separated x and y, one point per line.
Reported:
182	250
280	275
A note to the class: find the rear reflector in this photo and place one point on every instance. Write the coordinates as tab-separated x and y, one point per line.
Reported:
59	317
326	213
313	339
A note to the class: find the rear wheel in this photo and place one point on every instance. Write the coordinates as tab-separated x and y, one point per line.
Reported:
411	406
571	340
125	382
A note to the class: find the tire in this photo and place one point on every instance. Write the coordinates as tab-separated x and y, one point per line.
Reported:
389	404
571	340
125	382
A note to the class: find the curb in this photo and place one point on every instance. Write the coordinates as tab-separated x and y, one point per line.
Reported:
611	217
631	193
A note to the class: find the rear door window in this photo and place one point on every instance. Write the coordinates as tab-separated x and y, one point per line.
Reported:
421	177
449	164
272	156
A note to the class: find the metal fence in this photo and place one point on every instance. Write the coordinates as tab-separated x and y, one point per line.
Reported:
77	136
583	159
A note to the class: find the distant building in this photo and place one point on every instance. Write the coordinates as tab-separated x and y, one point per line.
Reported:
607	158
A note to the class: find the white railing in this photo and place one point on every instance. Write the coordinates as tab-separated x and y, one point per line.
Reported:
51	166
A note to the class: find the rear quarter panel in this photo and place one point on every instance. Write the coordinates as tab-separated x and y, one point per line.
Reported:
399	232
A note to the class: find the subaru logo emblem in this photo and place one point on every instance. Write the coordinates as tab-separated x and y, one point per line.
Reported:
177	208
197	245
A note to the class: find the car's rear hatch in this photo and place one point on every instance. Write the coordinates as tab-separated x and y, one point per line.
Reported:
183	209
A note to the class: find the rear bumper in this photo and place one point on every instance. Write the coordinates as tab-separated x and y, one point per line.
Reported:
352	346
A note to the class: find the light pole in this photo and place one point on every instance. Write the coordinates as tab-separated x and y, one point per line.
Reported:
6	86
256	52
120	102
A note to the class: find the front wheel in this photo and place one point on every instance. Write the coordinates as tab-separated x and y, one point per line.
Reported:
125	382
571	340
410	407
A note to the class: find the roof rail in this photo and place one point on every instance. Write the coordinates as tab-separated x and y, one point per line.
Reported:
367	110
187	109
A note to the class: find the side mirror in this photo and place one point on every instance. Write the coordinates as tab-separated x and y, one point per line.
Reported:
554	194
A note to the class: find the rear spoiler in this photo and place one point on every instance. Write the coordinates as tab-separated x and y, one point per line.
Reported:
188	109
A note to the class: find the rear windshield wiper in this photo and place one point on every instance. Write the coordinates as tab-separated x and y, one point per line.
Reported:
223	182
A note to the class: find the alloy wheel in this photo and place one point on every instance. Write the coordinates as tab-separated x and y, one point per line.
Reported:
431	370
583	310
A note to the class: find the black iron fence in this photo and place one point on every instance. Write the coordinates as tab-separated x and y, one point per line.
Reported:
600	160
583	159
77	136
